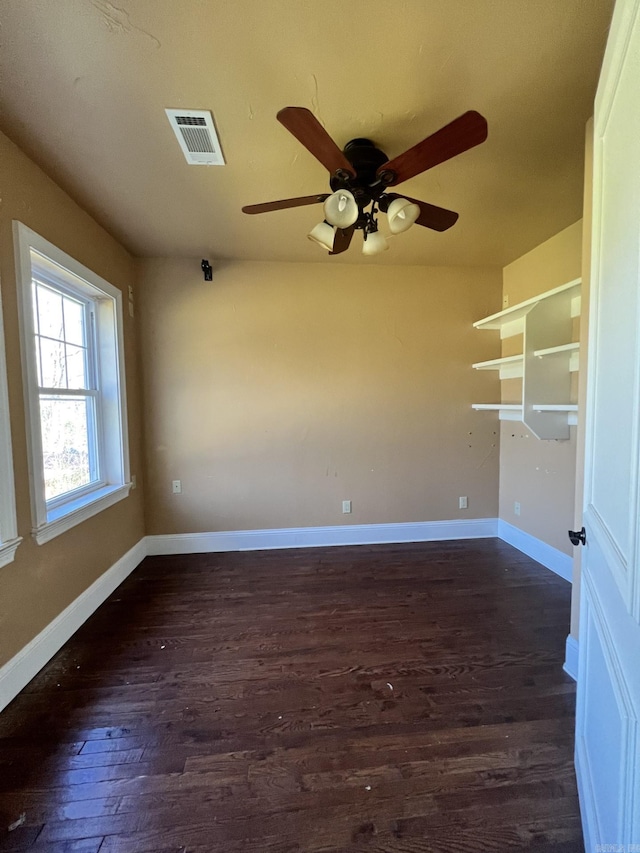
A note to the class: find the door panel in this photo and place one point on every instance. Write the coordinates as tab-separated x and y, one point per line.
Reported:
608	699
607	743
611	476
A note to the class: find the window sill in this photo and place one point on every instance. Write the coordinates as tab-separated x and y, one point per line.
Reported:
65	517
8	551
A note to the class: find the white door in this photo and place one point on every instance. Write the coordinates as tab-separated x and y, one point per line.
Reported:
607	731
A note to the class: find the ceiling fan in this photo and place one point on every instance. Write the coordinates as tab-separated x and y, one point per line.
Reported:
361	174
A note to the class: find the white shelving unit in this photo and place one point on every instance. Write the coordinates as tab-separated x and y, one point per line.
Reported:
545	364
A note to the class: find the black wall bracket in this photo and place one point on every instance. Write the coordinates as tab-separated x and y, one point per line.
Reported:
578	537
207	270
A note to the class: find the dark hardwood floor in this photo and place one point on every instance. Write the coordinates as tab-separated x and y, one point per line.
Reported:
392	698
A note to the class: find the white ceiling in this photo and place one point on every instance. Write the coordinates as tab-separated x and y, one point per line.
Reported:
84	85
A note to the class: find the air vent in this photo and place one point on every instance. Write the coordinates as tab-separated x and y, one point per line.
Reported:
196	133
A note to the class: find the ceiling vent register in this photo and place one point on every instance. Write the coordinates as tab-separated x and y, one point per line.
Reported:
196	133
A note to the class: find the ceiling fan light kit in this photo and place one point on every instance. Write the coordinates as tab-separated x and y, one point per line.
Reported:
324	235
374	243
401	215
361	174
341	209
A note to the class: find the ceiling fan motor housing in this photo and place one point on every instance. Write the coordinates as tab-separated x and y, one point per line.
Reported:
366	159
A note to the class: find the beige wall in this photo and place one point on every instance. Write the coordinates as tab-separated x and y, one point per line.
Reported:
278	390
540	475
44	579
550	264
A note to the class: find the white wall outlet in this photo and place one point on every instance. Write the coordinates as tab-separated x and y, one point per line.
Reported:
516	508
131	309
134	481
130	293
176	487
346	506
462	502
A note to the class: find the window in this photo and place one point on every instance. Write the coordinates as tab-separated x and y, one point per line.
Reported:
9	539
71	332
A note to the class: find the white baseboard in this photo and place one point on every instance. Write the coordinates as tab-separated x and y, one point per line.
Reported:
19	671
552	558
571	657
321	537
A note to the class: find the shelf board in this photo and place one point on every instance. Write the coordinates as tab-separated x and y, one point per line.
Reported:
517	312
543	353
506	411
497	363
497	407
554	407
509	367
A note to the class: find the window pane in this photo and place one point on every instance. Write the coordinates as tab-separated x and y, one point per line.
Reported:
66	442
76	367
50	312
53	364
73	322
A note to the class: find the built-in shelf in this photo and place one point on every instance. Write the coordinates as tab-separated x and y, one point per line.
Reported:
563	348
546	362
509	367
514	411
570	351
506	411
554	407
497	407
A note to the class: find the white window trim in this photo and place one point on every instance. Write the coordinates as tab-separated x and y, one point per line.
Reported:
9	539
50	522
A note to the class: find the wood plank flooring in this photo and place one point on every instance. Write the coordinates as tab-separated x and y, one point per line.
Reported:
391	699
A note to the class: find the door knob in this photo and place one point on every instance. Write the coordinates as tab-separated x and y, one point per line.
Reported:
578	538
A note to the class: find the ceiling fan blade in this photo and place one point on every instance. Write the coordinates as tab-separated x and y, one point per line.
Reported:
284	203
462	133
431	216
342	240
306	128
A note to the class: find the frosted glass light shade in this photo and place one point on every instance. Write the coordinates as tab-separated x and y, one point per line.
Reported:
323	234
374	244
401	214
341	209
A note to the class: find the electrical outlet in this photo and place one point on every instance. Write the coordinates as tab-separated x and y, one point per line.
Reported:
346	506
516	508
130	293
134	481
176	487
462	502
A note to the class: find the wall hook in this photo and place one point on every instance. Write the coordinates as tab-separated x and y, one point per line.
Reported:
207	270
